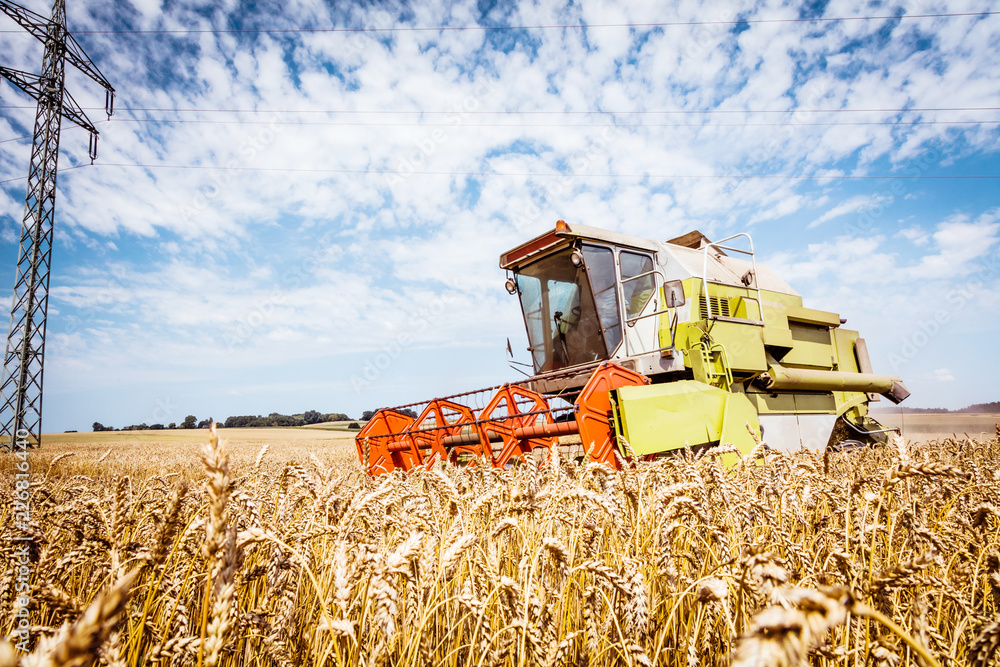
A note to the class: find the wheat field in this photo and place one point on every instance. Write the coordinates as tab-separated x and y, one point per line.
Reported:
885	556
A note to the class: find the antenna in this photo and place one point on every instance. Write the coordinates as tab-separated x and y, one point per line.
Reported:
21	379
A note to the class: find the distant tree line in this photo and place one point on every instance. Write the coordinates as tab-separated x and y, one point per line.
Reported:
277	419
239	421
987	408
255	421
189	422
368	414
982	407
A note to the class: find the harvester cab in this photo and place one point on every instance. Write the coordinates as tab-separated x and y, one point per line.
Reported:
641	347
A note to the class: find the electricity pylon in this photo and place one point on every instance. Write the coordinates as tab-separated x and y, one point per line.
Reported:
21	379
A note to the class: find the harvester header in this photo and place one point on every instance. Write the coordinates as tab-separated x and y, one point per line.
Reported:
640	347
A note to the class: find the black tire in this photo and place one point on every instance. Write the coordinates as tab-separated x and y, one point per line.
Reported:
849	445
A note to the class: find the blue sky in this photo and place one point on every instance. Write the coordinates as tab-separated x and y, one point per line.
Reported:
318	215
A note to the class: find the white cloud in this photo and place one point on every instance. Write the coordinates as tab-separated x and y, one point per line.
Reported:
852	205
951	253
960	243
915	235
942	375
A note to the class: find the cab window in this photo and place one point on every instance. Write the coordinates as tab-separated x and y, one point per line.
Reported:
638	281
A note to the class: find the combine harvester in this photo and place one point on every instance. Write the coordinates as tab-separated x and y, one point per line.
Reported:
657	345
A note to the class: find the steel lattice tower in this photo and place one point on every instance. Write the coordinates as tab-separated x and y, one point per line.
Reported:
21	379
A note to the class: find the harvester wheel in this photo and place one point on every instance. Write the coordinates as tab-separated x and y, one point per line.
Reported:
847	446
844	438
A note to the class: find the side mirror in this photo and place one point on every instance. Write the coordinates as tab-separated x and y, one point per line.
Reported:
673	294
510	286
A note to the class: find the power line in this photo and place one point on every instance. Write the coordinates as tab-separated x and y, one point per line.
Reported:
200	121
567	26
28	136
594	112
61	171
456	123
485	174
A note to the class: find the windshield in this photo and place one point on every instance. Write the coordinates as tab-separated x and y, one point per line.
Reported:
559	313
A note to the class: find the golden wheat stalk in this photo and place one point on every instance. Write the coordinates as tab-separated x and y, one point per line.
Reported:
77	643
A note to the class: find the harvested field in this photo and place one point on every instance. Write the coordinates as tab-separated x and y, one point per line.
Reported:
282	556
920	427
336	426
142	454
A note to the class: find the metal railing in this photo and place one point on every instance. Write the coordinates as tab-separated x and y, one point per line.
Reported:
630	321
753	268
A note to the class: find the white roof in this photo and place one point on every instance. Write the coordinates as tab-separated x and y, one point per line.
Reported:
725	269
722	268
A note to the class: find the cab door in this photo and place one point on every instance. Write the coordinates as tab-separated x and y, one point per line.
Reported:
637	284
